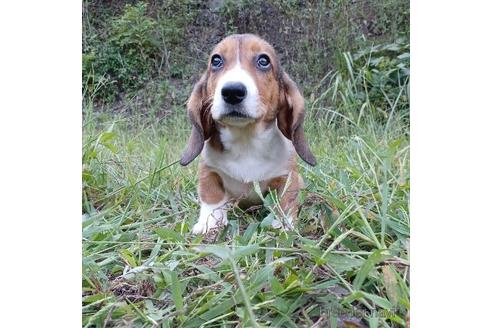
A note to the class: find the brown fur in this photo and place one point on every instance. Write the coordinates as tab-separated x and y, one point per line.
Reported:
210	185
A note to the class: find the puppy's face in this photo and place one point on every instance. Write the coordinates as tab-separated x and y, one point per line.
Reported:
244	85
243	81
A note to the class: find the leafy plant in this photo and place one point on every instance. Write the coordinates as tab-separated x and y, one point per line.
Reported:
133	49
375	80
386	70
125	59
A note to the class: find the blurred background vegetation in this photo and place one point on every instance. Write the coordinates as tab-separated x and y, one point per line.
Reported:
147	55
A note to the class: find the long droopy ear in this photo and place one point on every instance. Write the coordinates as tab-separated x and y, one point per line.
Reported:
290	118
198	107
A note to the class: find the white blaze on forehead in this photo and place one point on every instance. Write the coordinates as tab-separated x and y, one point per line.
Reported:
236	74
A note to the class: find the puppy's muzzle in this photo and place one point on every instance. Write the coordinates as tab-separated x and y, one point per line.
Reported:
233	93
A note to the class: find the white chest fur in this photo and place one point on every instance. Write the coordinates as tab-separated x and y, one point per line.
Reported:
249	156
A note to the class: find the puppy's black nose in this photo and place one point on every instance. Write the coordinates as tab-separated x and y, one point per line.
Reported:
233	92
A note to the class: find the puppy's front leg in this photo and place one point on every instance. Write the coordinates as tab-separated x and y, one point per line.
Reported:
213	200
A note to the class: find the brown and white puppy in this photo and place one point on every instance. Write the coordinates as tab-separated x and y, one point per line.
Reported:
247	117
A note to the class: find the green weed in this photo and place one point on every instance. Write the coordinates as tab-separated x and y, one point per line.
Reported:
131	49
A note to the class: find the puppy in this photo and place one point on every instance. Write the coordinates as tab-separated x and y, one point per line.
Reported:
247	124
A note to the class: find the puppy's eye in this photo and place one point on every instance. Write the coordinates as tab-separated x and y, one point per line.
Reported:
217	62
263	62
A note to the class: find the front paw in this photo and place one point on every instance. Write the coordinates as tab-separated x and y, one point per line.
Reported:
217	218
204	227
198	229
201	228
285	223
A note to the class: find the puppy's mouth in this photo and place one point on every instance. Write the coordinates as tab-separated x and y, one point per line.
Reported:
235	117
237	114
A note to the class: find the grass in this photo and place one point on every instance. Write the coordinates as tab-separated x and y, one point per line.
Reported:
345	263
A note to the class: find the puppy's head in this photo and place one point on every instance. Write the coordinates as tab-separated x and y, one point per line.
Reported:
244	85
